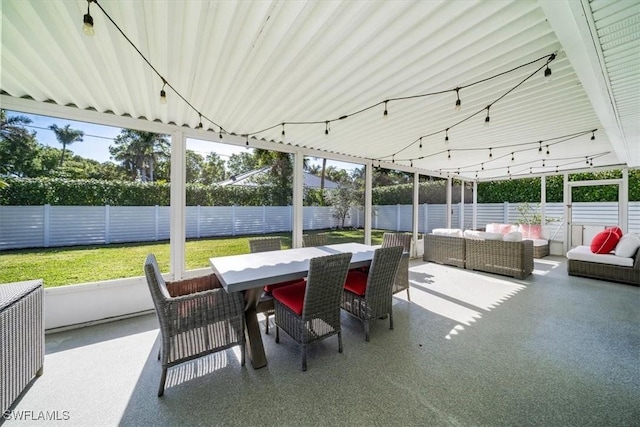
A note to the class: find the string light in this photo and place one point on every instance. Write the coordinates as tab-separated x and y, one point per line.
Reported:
393	159
547	73
282	131
547	150
530	170
446	135
593	135
411	163
458	106
482	164
200	122
386	113
449	154
87	25
490	153
587	159
163	94
220	133
247	142
326	128
487	120
420	142
540	147
543	163
512	157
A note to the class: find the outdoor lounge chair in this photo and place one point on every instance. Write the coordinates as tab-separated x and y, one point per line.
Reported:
197	317
401	281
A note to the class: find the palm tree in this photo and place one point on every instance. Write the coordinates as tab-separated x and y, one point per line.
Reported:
140	151
66	136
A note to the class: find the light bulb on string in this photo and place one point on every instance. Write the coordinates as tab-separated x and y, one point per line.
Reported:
458	106
446	135
393	158
385	115
543	163
326	128
540	147
220	133
587	158
87	25
449	154
490	153
200	122
547	150
420	142
482	166
593	135
283	134
487	120
512	157
411	163
530	170
163	94
591	163
547	74
247	142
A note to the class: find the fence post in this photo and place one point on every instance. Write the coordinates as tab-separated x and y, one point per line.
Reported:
198	221
47	213
290	218
397	217
426	219
156	219
107	224
264	219
233	220
505	213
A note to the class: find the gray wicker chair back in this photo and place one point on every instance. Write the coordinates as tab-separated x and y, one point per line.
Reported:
377	301
265	244
197	317
311	240
402	276
321	309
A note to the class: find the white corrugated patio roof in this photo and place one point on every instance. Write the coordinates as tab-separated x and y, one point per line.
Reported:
252	65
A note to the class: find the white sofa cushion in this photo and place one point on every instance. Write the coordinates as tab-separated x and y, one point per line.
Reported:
481	235
453	232
628	245
583	253
539	242
514	236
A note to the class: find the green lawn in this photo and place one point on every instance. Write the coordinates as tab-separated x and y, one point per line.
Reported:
82	264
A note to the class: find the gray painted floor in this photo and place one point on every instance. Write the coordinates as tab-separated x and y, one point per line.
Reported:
469	349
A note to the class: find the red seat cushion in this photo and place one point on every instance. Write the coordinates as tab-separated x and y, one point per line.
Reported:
616	230
292	296
356	282
604	242
270	288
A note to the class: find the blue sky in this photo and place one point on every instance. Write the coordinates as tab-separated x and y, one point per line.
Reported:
97	138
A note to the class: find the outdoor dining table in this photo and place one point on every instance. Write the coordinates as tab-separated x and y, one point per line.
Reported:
249	273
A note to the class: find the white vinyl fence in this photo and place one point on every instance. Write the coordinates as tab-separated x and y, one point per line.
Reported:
52	226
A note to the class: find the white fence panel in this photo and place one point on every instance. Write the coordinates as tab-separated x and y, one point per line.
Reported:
132	223
277	219
634	217
22	227
216	221
76	225
489	213
320	217
385	217
605	213
248	220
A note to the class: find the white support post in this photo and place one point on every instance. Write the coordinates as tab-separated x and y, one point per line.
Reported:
449	182
462	205
566	198
233	220
623	202
198	221
298	199
474	225
426	218
368	199
178	201
505	212
156	221
397	217
416	213
264	219
543	200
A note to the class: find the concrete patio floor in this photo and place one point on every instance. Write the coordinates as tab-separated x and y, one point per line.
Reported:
468	349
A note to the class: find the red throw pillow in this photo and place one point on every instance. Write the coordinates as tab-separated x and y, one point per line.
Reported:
616	230
604	242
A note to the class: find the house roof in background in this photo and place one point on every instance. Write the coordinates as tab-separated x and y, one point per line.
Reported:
248	179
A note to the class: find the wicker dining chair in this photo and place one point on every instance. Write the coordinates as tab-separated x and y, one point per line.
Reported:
369	295
311	240
265	305
401	281
310	311
197	317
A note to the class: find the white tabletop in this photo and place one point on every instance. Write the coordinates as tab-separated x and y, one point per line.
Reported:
247	271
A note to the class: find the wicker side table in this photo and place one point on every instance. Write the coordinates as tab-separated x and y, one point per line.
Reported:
21	338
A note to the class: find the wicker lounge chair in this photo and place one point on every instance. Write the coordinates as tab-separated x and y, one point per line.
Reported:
614	273
402	276
310	240
310	311
369	295
500	257
197	317
264	244
449	250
